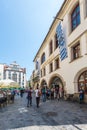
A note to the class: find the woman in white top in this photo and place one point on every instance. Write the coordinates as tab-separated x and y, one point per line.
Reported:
37	91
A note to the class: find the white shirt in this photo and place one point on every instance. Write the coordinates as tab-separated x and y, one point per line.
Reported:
36	92
1	95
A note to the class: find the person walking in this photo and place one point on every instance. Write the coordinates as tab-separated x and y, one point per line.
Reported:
57	93
43	91
37	93
29	97
21	93
81	95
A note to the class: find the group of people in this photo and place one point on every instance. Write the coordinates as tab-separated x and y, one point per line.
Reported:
6	96
45	93
29	96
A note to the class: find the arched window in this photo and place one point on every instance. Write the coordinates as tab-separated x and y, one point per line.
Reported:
75	17
42	58
82	81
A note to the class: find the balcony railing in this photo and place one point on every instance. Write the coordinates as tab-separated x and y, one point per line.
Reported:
36	79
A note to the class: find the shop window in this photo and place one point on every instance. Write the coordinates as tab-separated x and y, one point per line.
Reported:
75	17
82	81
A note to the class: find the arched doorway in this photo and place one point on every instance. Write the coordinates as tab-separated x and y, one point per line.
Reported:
43	84
82	81
57	84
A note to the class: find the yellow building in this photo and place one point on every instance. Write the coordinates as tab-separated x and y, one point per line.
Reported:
52	68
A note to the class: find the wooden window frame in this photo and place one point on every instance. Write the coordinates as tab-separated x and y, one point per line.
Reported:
56	42
84	82
75	17
76	51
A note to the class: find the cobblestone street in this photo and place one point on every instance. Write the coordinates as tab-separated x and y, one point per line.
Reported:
51	115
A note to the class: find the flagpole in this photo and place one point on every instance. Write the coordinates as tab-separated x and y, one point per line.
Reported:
58	18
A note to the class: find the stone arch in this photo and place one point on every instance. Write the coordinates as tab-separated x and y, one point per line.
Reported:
43	83
55	78
76	78
74	6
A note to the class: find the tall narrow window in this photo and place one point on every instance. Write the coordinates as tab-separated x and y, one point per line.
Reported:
36	65
51	47
51	67
44	71
4	74
56	41
42	58
41	73
75	17
57	63
14	77
76	51
85	9
9	74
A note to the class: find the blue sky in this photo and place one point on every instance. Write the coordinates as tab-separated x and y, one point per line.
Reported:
23	27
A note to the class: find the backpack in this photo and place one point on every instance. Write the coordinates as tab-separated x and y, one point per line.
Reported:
39	93
29	93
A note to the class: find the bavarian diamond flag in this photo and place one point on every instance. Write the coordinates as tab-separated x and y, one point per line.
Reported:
61	42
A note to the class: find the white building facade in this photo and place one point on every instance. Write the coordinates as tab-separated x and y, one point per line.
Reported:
13	72
69	72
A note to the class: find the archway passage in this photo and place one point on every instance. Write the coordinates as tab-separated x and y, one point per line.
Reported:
56	82
56	85
43	84
82	81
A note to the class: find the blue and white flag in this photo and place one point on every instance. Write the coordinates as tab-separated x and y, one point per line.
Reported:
38	66
61	42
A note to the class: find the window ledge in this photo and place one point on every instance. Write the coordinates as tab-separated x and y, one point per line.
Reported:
75	59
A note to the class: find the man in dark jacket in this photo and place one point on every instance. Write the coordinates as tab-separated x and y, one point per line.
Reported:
29	97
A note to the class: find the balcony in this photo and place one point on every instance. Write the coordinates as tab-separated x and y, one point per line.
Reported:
36	79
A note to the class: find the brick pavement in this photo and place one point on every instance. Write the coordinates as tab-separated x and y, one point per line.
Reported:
52	115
